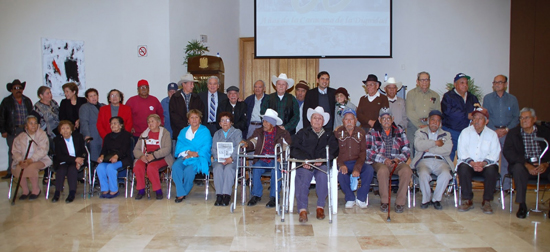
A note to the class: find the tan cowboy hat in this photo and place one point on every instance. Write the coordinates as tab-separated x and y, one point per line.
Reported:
391	80
282	76
318	110
187	78
274	115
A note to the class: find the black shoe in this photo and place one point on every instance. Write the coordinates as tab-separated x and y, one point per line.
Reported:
271	203
218	200
160	196
179	200
140	196
34	196
7	176
56	197
522	211
425	205
254	200
70	198
437	205
226	199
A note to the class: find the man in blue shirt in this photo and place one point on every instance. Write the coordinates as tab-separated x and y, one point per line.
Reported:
172	88
457	106
504	110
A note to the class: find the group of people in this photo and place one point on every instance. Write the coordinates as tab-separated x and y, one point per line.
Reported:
184	129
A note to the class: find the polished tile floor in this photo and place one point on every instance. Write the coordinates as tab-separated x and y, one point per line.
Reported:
120	224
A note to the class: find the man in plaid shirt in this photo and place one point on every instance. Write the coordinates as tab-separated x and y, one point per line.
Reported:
387	145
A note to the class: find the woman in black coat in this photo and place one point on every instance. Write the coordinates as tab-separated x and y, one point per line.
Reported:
70	106
69	157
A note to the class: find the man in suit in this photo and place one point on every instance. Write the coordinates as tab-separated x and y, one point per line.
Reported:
211	100
323	96
254	104
235	107
183	101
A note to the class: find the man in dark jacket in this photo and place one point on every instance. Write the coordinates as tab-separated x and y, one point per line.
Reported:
235	107
457	106
523	153
13	111
311	143
263	142
212	101
183	101
254	104
323	96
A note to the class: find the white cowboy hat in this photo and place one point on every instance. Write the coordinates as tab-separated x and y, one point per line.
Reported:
282	76
318	110
187	78
391	80
274	115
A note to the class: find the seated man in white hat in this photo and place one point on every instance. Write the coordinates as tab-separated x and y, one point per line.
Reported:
397	104
284	103
387	145
310	143
433	146
263	142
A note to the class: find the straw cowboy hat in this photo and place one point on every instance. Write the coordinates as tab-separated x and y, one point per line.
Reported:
273	115
391	80
318	110
282	76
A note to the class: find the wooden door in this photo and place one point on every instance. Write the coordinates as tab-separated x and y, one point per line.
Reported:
252	69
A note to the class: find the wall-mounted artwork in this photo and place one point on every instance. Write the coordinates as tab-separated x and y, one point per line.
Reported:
63	62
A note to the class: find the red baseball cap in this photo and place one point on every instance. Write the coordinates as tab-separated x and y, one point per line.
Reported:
143	83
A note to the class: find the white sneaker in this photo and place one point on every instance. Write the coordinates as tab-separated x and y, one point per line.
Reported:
362	204
350	204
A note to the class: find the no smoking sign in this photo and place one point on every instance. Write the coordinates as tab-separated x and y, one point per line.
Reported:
142	51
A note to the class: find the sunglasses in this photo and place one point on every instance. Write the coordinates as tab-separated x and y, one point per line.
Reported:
18	88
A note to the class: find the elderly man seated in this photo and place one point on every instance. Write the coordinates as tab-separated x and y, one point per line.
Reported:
433	146
478	153
351	159
523	153
310	143
387	145
263	142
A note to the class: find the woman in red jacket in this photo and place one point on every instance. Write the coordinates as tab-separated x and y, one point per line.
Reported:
115	108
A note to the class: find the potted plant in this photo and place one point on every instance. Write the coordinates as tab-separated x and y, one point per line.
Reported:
472	88
194	48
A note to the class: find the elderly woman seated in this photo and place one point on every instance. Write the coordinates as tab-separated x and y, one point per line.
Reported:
224	170
33	141
153	151
115	153
193	153
310	143
69	157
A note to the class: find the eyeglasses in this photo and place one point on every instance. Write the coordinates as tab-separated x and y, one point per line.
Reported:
18	88
423	80
144	87
114	95
499	82
225	120
385	119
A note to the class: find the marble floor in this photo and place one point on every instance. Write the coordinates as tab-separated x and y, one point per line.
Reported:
120	224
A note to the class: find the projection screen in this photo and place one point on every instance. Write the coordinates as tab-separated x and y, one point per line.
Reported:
323	28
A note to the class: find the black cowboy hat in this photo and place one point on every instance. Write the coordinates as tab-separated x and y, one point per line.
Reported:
9	86
372	77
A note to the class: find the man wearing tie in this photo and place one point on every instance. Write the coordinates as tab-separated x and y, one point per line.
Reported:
212	100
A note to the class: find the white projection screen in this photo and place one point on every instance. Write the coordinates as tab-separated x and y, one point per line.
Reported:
323	28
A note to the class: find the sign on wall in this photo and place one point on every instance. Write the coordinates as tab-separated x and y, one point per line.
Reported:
142	51
63	62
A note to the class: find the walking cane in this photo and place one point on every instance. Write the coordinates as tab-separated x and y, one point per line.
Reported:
389	191
21	174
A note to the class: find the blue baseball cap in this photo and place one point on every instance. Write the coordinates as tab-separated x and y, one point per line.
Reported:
461	75
436	112
172	86
349	111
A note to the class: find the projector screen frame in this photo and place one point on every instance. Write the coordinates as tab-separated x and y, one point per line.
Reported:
324	56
